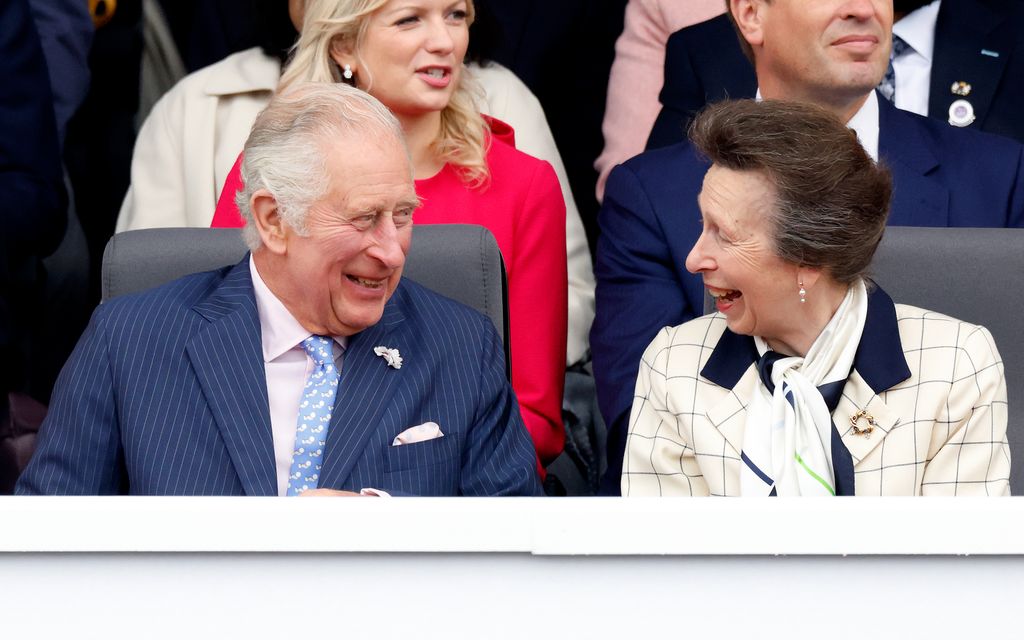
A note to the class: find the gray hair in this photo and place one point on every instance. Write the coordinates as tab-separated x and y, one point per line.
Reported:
832	198
286	149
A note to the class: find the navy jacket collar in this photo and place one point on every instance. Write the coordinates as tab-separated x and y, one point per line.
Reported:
879	358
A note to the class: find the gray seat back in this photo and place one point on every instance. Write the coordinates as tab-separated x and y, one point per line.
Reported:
460	261
976	275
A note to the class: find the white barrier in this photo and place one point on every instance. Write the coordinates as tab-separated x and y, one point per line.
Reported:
510	568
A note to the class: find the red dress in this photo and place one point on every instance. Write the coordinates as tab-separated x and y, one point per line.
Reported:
522	206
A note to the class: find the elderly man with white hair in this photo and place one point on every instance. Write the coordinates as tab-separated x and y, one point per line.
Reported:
311	367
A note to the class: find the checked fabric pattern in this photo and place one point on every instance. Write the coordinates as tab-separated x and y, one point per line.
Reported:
940	432
314	416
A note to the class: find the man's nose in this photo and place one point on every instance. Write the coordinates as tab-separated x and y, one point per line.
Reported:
858	9
387	246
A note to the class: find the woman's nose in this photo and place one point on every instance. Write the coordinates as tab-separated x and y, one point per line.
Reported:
698	259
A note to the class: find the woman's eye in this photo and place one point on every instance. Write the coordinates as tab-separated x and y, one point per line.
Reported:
459	15
406	21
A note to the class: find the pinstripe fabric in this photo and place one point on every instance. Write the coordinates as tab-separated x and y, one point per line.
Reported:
934	384
165	394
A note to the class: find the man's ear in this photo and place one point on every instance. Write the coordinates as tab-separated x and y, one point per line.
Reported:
269	224
749	17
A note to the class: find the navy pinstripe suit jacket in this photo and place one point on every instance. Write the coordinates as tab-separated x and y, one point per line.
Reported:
165	394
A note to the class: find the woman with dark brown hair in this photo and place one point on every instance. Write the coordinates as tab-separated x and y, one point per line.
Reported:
808	380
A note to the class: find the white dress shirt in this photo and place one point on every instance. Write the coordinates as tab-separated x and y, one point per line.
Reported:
287	367
913	69
864	123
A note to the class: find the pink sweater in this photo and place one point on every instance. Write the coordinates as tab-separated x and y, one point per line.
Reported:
638	74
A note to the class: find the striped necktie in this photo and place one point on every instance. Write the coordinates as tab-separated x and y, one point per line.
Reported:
888	85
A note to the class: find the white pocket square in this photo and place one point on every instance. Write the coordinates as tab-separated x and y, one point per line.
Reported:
419	433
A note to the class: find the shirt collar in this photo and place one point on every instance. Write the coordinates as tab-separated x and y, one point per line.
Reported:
279	330
864	123
917	29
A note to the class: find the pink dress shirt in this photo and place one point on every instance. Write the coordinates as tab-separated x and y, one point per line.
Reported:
287	368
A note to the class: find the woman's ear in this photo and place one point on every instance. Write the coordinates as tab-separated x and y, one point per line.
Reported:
808	277
267	218
343	52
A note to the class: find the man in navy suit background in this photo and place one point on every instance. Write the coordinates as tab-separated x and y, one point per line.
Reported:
977	42
194	388
32	210
829	52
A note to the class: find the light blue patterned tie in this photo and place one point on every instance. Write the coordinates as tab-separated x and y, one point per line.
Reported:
887	87
314	416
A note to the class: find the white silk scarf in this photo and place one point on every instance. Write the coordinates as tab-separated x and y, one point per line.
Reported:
788	435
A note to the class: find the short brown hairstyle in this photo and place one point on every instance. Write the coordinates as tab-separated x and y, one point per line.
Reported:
833	200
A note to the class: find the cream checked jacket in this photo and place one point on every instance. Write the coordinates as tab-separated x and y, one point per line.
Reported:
934	385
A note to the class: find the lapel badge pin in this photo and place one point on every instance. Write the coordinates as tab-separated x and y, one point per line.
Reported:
961	113
961	88
868	418
391	356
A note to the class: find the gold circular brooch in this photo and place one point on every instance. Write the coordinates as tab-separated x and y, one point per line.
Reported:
855	420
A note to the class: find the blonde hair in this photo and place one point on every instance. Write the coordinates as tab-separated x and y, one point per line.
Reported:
463	136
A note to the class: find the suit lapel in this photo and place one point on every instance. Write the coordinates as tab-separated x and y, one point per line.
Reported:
227	358
729	415
878	365
731	366
962	31
365	392
919	200
857	396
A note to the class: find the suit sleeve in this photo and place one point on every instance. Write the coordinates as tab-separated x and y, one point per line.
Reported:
658	460
66	33
498	458
638	292
33	206
537	311
973	457
681	96
31	178
79	450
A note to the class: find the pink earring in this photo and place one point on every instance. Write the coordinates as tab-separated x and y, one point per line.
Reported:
803	292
